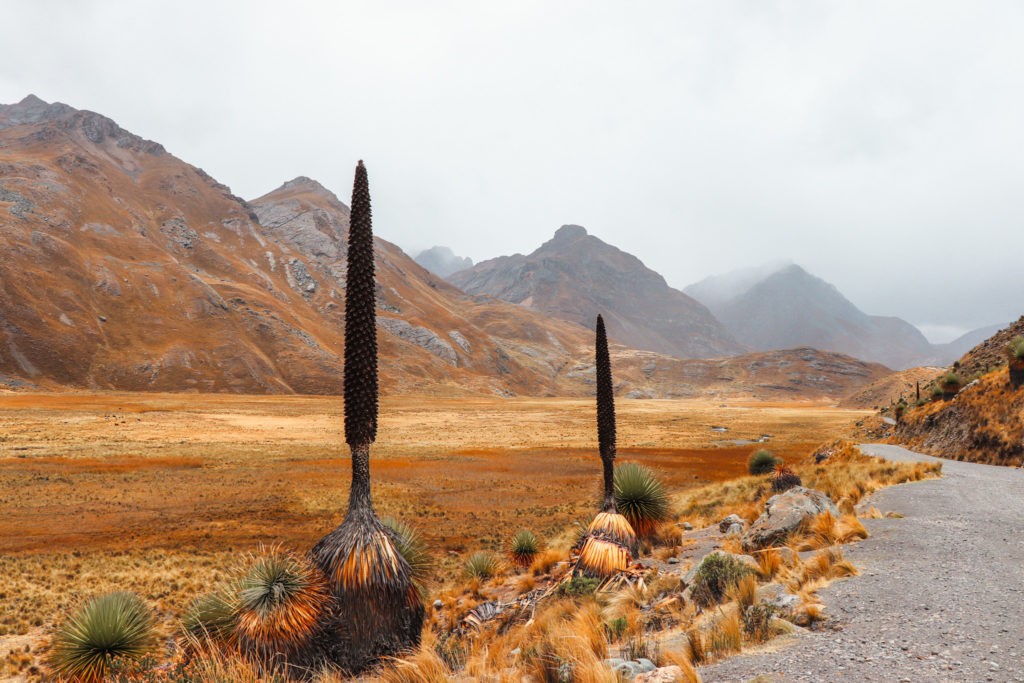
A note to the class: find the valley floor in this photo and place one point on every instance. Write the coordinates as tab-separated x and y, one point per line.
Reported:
941	595
159	493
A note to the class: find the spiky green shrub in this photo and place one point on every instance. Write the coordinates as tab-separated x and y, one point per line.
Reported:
579	586
716	575
212	616
413	549
950	384
1017	348
116	626
281	598
483	565
641	497
524	548
784	479
762	462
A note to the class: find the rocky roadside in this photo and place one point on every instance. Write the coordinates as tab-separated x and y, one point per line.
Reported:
940	595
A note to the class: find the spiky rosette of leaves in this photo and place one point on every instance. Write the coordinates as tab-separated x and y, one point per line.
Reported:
524	548
212	617
411	547
281	600
785	479
378	609
1016	349
360	319
116	626
641	497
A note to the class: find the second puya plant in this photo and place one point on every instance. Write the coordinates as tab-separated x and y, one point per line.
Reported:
610	542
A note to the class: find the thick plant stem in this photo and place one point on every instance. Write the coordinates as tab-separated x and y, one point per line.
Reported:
359	500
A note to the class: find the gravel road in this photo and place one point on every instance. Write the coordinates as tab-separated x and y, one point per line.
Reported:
941	591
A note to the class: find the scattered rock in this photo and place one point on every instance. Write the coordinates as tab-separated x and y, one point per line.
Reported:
725	525
666	674
438	604
784	514
734	530
304	282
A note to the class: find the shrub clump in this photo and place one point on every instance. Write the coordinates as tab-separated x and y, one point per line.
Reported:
640	497
524	548
483	565
717	574
785	479
109	628
762	462
212	616
1017	348
579	586
950	384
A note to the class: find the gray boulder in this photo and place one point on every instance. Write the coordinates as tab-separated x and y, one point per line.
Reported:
729	522
784	514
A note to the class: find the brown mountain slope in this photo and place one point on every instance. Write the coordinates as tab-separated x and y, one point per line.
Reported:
984	422
574	276
891	387
124	267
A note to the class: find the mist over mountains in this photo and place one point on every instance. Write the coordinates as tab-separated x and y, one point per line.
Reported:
124	267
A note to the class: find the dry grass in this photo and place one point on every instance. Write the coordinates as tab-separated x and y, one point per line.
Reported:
769	562
846	477
826	531
725	636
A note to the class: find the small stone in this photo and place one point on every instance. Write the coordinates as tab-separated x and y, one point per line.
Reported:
687	526
673	560
438	604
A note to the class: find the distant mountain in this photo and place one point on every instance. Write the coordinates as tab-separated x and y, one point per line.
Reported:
945	354
575	276
790	307
443	261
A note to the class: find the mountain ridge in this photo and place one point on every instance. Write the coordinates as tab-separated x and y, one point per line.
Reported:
575	275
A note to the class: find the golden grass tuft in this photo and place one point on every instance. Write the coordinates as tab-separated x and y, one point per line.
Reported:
825	530
769	563
743	592
725	637
547	559
424	666
682	659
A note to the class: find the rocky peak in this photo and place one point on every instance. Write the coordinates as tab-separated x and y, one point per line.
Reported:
568	233
97	128
32	110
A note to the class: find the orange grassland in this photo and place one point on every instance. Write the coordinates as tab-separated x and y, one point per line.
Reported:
161	493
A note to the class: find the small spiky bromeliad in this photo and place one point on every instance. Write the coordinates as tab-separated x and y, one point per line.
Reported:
610	542
377	609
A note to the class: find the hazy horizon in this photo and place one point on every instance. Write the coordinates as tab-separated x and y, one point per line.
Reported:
874	144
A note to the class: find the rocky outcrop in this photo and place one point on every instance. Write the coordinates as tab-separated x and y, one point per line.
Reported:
784	514
421	337
575	276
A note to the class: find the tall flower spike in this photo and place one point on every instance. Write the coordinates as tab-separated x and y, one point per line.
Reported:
360	319
605	414
377	611
610	541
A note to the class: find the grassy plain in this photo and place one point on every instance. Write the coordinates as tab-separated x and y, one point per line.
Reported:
160	493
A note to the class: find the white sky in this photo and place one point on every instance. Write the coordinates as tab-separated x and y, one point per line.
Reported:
878	144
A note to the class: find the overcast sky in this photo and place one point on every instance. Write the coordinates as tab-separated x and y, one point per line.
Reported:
878	144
